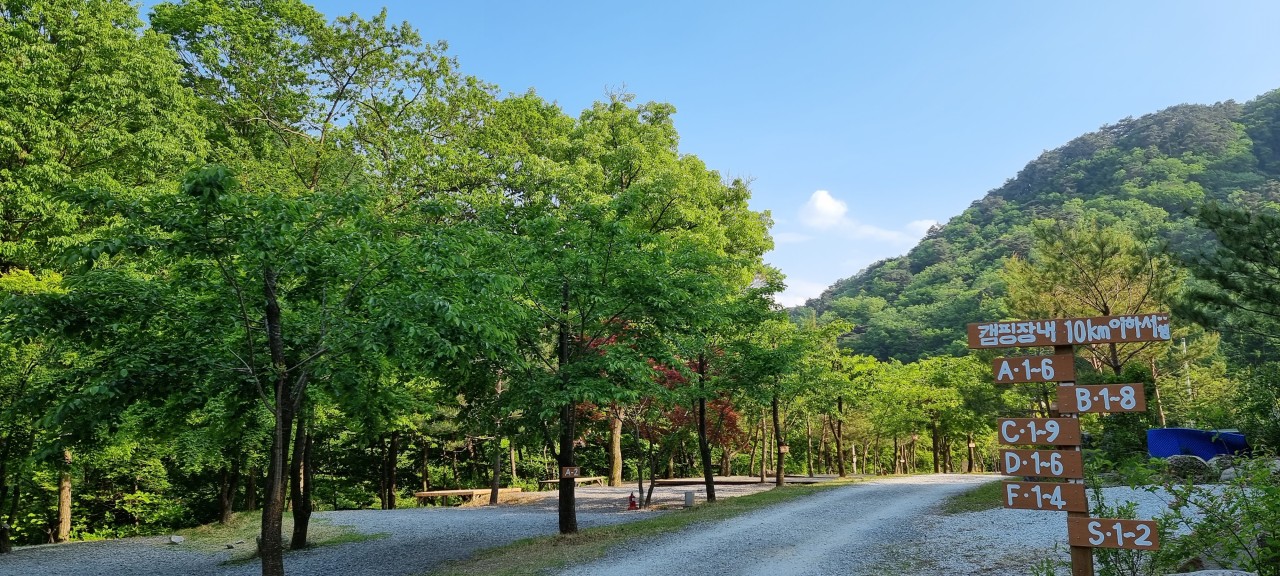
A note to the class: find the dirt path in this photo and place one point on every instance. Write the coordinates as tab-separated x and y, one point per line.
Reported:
868	528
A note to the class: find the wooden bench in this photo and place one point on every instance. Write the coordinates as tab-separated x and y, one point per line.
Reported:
580	480
465	494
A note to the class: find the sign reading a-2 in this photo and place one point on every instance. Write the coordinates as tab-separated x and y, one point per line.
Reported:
1056	368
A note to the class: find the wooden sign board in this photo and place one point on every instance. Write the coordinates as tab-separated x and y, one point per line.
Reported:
1102	398
1071	331
1113	533
1052	496
1039	431
1043	463
1018	369
570	471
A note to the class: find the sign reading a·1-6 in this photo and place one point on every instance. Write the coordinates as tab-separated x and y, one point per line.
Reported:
1102	398
1019	369
1034	431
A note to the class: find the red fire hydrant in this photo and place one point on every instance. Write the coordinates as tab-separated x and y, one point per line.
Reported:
631	502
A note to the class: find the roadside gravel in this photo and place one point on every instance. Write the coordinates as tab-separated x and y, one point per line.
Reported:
886	526
868	528
417	539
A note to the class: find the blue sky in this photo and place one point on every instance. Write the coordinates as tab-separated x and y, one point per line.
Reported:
862	123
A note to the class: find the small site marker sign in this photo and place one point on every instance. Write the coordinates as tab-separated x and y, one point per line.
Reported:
1043	463
1039	431
1020	369
1113	533
1053	496
1102	398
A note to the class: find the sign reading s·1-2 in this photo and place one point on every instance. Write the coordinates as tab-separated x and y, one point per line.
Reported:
1055	496
1102	398
1043	463
1113	533
1055	431
1070	331
1018	369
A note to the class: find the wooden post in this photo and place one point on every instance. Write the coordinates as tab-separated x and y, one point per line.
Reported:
1081	556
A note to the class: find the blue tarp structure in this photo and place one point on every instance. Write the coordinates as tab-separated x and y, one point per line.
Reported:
1165	442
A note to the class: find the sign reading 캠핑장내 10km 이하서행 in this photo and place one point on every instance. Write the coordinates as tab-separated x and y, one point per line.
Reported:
1070	331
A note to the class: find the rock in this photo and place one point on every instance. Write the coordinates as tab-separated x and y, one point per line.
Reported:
1187	467
176	539
1222	462
230	546
1228	475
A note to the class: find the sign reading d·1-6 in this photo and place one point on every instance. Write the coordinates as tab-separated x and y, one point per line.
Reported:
1070	331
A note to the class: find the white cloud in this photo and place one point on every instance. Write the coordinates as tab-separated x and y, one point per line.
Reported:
827	213
798	291
822	211
790	238
920	227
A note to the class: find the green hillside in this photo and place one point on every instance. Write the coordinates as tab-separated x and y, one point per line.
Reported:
1144	173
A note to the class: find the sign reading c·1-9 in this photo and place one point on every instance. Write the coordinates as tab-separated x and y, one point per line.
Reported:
1039	431
1070	331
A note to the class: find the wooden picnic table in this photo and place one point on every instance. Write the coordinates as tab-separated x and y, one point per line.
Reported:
464	493
578	481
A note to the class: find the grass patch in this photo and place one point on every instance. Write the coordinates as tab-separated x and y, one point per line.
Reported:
243	529
983	497
546	553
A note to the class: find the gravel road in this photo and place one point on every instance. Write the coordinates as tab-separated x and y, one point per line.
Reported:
865	528
878	527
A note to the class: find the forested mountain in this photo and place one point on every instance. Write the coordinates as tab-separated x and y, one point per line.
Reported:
1143	174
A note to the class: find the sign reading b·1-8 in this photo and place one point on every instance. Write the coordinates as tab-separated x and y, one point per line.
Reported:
1018	369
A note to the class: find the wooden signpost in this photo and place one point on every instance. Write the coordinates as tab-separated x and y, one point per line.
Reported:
1113	533
1083	533
1018	369
1042	463
1055	496
1039	431
1102	398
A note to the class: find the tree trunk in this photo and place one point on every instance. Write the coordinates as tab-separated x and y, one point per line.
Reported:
779	474
969	467
6	543
495	477
64	498
270	540
229	482
251	490
751	458
808	445
839	434
764	447
937	446
615	447
704	446
568	511
640	455
393	457
426	466
824	453
301	482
